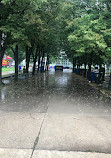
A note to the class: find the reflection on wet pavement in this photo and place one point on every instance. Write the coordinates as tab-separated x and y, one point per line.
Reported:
34	93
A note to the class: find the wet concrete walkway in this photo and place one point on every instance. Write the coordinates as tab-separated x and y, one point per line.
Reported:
54	111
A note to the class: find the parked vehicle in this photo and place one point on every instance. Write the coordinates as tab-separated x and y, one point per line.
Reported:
58	67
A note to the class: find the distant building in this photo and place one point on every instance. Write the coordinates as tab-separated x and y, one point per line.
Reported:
63	61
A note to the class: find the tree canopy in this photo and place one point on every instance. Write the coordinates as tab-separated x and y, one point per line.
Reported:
81	28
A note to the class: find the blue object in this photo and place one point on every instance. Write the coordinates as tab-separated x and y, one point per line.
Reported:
20	67
92	76
77	71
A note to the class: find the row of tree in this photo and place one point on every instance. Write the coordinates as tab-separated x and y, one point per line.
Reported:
89	33
28	29
35	29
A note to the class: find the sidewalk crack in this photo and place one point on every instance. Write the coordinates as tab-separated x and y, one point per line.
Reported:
37	138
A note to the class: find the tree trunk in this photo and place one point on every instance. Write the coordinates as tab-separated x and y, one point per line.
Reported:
27	59
16	62
89	67
74	64
100	74
0	58
35	59
0	68
38	63
89	72
85	70
42	62
33	72
90	63
2	51
47	62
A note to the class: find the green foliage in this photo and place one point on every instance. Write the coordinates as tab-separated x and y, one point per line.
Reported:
90	34
80	28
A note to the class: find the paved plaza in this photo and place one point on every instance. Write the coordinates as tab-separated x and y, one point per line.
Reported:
54	115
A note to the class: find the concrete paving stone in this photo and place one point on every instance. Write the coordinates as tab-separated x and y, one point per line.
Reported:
19	130
65	154
60	104
15	153
76	133
78	116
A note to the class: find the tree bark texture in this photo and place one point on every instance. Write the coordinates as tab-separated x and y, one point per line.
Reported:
74	64
0	68
2	52
42	62
35	59
16	62
38	63
84	70
47	62
27	59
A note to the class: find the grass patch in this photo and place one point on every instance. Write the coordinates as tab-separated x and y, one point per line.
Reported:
7	69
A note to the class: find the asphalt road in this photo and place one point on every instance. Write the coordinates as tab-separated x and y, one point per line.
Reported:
54	111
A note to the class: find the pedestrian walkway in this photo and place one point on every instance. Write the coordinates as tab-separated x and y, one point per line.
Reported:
24	153
54	112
